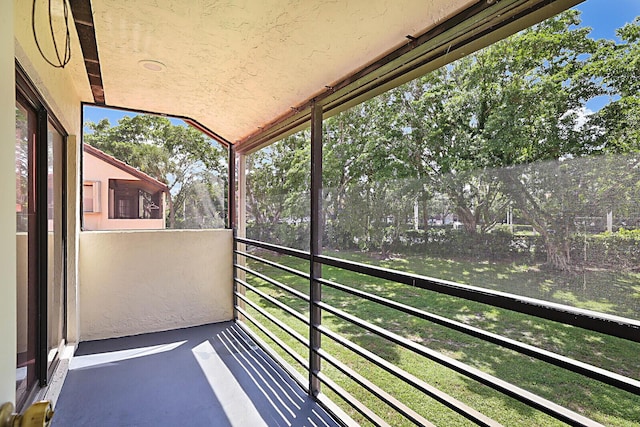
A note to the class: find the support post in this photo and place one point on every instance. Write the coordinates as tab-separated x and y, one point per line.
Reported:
231	220
231	190
315	291
241	227
241	201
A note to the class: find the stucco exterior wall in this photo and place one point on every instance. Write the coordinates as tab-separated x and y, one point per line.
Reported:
73	237
133	282
94	169
7	207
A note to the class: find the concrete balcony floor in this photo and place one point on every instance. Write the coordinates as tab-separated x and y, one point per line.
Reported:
210	375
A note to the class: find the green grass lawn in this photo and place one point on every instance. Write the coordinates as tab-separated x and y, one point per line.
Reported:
602	403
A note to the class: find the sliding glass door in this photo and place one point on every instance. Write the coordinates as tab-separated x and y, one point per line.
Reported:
40	241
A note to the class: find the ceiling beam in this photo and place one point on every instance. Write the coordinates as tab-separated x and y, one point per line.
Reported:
83	18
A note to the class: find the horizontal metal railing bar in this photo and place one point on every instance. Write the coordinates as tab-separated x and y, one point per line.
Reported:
301	317
295	335
336	411
617	326
303	362
533	400
599	322
590	371
400	407
297	377
436	394
273	264
352	401
586	319
275	248
323	400
275	283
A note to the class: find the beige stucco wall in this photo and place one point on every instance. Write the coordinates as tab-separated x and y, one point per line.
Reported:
133	282
73	237
7	207
94	169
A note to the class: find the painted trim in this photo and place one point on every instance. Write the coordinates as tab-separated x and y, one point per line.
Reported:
88	149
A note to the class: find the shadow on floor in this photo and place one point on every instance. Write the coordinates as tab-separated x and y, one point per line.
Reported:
211	375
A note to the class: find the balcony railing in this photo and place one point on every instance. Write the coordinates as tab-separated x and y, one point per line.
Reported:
611	325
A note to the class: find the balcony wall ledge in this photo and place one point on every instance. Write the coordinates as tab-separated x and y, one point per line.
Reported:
139	281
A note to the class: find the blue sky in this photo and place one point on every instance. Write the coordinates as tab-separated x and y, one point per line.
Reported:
603	16
95	114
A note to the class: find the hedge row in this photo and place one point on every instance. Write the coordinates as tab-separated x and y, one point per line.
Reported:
619	250
447	242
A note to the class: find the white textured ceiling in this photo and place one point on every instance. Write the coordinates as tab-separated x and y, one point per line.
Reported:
236	65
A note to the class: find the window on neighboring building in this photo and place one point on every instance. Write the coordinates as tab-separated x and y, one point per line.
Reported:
91	197
163	154
127	200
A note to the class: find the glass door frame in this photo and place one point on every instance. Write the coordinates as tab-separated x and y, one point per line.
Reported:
28	97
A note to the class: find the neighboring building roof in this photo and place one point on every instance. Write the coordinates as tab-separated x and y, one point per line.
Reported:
125	167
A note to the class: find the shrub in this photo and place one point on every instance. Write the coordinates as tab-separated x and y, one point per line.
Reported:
619	250
447	242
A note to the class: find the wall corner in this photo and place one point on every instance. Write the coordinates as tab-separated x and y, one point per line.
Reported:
73	238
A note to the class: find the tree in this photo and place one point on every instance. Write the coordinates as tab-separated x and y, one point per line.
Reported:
505	126
278	183
616	66
179	156
516	102
22	170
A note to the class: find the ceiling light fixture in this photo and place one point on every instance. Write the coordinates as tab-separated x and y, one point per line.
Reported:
151	65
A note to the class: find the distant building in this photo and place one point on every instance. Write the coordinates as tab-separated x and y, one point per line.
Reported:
116	196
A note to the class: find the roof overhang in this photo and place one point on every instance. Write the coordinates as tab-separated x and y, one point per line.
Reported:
143	177
247	73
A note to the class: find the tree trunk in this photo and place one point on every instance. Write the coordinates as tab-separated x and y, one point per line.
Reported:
172	212
468	219
558	255
425	213
556	241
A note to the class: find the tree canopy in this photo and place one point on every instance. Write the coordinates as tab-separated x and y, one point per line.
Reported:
192	165
504	128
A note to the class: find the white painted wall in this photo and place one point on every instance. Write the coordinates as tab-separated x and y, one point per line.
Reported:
133	282
7	207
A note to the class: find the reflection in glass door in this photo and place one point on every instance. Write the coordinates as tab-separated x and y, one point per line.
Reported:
40	245
27	290
55	245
